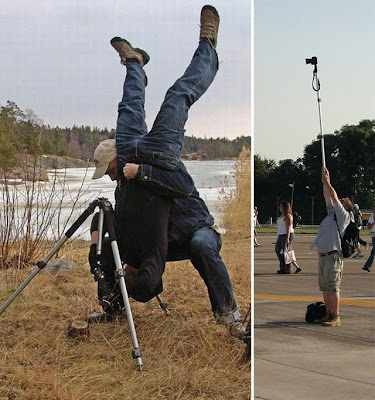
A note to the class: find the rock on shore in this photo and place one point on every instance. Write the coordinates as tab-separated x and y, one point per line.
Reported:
30	168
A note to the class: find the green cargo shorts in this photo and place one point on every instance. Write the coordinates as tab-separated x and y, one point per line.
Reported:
330	272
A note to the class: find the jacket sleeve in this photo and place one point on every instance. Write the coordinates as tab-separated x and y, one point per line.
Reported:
143	288
164	182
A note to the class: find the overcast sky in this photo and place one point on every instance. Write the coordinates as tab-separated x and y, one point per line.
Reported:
57	61
340	33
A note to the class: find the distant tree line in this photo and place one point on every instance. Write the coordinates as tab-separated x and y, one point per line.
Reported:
23	132
215	148
350	159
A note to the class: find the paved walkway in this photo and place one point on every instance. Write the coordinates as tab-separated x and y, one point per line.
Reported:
296	360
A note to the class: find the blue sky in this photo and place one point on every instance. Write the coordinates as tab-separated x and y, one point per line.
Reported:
57	61
340	33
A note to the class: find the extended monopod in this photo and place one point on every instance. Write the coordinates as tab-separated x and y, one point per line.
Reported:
316	88
106	212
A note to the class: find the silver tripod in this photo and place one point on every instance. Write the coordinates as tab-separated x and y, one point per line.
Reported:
106	212
316	88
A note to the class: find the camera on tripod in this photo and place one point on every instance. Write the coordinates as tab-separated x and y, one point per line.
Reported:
312	60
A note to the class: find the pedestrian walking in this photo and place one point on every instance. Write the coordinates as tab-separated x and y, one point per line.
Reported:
371	226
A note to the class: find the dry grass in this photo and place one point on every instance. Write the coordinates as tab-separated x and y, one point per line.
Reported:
237	218
185	356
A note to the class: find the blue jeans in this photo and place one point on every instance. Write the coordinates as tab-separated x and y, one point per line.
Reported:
204	251
370	260
163	144
279	247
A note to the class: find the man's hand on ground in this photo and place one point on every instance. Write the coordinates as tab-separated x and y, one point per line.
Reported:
130	170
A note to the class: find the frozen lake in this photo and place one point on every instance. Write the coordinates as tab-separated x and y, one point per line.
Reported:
74	188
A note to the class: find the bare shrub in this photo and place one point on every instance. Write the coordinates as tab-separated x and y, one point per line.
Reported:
32	213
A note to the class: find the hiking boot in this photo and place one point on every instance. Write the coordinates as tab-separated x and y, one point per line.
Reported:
209	24
335	321
326	318
127	52
237	330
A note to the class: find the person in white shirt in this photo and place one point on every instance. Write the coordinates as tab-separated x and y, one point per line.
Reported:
256	225
285	235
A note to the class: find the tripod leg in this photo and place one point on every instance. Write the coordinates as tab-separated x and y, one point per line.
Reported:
136	353
41	264
19	290
163	306
323	152
120	274
35	271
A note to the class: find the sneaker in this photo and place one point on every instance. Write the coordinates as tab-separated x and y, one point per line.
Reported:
257	245
366	269
127	52
209	24
297	270
359	255
335	321
237	330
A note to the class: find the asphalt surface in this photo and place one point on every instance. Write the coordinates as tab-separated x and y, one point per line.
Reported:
297	360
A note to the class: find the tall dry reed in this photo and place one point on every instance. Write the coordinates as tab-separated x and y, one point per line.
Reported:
237	218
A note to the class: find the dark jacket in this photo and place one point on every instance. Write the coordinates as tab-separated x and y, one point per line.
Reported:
186	213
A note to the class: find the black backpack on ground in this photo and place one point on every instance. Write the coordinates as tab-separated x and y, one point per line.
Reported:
315	311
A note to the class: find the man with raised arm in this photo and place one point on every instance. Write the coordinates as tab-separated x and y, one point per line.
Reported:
328	244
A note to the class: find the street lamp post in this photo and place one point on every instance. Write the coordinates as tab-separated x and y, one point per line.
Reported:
312	205
291	202
277	207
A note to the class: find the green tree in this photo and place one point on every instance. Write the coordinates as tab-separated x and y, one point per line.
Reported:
350	158
10	119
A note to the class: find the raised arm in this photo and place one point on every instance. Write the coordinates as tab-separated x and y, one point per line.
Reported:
329	192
